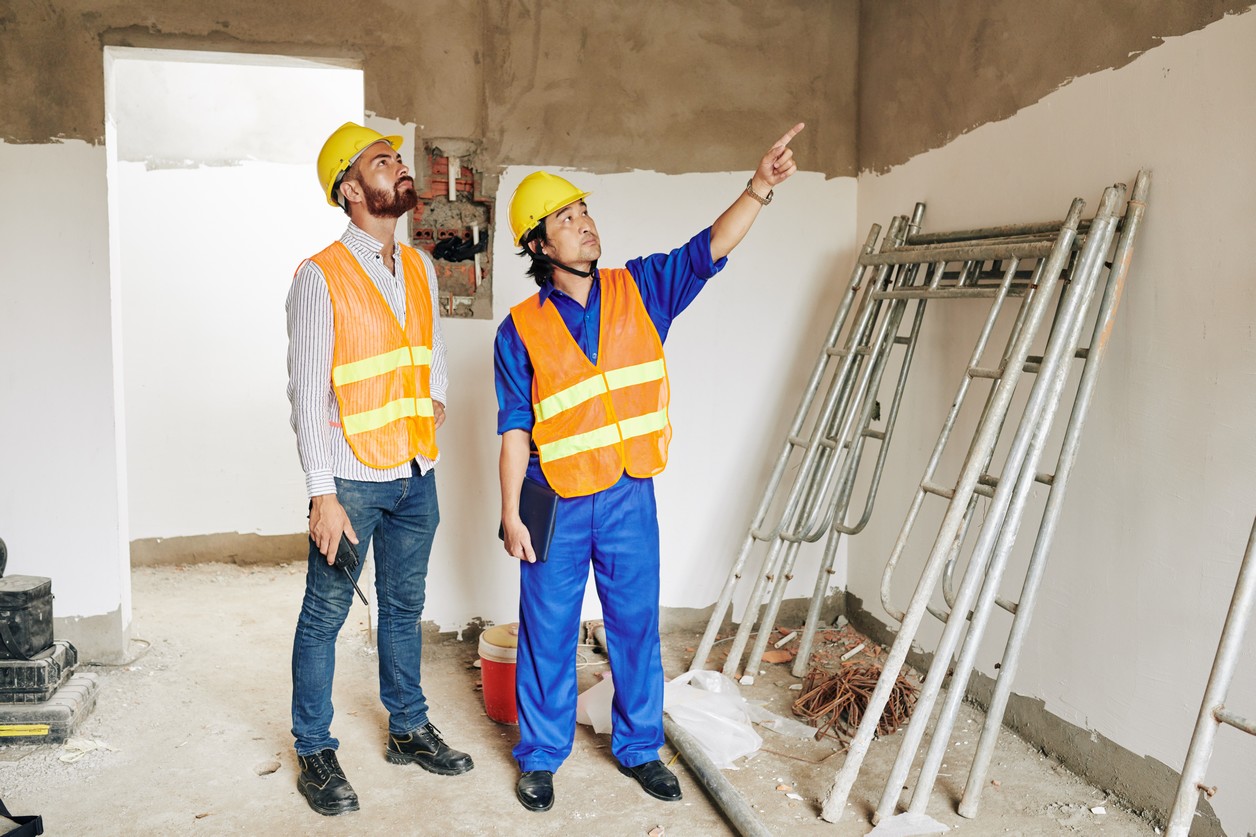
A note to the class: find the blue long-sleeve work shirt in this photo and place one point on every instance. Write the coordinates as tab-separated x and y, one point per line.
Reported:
668	282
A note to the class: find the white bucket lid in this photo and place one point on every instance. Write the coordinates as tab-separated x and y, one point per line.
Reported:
500	644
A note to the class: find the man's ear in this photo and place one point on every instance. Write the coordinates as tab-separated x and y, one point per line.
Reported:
351	190
540	246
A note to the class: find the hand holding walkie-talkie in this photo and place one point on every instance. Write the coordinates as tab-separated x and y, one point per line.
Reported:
347	560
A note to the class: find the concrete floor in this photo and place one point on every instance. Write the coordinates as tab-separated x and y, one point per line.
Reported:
198	731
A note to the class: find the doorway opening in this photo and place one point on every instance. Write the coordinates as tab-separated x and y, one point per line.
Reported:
213	203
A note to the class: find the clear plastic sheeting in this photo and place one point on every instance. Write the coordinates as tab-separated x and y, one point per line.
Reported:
707	705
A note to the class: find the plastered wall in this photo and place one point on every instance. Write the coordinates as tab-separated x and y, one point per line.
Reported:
1162	498
62	499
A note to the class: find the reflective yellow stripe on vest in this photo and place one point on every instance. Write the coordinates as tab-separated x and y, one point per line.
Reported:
604	436
577	394
572	396
600	438
369	367
639	374
390	412
641	425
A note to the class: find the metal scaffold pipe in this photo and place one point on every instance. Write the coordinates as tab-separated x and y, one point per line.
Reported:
735	808
1212	711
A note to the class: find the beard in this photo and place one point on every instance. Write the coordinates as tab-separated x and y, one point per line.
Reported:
383	203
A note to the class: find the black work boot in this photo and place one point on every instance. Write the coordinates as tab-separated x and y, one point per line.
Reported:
535	790
655	779
428	750
323	784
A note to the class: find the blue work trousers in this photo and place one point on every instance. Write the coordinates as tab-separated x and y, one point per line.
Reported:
617	531
400	516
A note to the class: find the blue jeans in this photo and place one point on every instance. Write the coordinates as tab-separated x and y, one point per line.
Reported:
401	517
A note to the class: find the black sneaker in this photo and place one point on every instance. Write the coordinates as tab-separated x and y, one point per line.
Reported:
428	750
323	784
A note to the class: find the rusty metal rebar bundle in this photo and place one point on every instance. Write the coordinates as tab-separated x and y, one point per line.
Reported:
835	702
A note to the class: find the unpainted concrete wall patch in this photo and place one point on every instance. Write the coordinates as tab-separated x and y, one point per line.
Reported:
932	70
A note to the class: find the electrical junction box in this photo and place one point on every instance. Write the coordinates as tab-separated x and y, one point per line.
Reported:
453	223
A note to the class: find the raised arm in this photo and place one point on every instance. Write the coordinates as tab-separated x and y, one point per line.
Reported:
775	167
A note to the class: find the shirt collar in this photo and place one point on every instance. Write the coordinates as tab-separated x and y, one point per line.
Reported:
548	288
356	235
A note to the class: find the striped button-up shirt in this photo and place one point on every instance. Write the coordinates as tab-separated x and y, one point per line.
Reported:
324	452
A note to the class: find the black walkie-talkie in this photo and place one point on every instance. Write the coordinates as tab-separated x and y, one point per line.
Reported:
347	560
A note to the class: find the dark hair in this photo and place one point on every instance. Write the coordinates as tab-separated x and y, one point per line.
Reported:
540	271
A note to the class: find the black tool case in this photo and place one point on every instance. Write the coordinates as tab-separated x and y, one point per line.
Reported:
25	616
37	679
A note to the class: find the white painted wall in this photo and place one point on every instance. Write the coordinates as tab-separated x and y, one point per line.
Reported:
1162	498
61	510
737	357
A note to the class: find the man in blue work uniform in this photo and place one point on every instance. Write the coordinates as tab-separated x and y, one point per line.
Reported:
582	395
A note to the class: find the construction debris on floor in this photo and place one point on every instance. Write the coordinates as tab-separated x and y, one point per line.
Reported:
187	738
834	702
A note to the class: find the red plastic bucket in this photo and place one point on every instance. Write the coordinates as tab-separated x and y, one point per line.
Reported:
498	647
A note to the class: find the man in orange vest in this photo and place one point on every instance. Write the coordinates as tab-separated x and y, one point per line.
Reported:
582	396
367	383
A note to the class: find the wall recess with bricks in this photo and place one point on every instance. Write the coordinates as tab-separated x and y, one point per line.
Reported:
453	223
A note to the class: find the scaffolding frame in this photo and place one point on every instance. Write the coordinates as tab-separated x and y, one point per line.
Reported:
1213	712
978	593
1056	271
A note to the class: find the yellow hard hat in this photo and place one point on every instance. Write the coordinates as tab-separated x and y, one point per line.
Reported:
341	149
538	195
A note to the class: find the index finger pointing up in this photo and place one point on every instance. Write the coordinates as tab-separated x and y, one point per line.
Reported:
789	135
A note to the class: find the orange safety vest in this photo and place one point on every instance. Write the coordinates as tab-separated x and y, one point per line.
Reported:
593	422
380	371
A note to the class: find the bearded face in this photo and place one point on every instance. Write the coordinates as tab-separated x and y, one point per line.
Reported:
391	203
